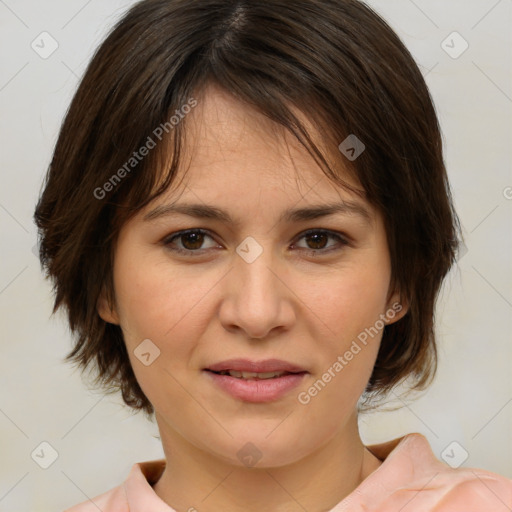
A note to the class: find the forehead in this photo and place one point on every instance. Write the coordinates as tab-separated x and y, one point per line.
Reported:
231	147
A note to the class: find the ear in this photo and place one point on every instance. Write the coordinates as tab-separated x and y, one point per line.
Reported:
396	308
105	310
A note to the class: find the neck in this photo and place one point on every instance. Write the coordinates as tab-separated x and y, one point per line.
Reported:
196	480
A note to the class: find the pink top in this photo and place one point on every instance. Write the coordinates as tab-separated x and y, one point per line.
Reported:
410	479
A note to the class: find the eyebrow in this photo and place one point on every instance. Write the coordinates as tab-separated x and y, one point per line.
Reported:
204	211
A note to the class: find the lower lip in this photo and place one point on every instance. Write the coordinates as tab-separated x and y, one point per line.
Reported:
257	390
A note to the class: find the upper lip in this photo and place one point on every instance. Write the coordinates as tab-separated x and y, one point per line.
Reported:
246	365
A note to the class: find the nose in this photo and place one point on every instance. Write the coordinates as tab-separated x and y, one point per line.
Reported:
256	298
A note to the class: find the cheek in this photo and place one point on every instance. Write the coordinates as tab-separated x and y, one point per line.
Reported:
349	305
159	301
346	346
349	300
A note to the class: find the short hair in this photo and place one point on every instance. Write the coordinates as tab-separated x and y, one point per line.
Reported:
336	61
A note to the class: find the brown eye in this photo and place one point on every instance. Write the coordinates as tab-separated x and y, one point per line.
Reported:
317	241
192	240
187	242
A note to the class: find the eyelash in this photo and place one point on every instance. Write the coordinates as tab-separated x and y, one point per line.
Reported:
167	241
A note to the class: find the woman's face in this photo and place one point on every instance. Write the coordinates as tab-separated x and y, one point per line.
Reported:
258	288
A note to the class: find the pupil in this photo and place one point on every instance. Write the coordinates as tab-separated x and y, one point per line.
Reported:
315	237
196	238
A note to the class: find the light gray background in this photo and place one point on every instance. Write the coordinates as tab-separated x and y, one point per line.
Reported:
97	439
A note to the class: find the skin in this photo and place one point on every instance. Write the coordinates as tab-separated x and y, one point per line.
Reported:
288	304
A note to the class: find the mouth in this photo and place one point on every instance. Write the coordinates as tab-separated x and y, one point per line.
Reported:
256	381
254	375
246	368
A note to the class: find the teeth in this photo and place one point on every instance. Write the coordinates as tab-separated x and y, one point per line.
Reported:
251	375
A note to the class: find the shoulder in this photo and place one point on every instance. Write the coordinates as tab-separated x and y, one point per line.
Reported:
135	493
411	479
115	499
452	490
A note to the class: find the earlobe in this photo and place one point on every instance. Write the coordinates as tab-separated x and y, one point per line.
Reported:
105	311
397	308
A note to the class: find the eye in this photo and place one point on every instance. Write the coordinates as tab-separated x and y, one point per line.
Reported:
190	242
317	240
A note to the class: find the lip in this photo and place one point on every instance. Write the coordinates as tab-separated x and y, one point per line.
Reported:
246	365
256	390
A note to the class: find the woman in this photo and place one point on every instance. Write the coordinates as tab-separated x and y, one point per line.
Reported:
248	220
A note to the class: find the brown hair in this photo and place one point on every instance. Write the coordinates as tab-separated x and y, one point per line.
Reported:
336	61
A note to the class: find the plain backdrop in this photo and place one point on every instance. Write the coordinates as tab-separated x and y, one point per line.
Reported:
94	439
